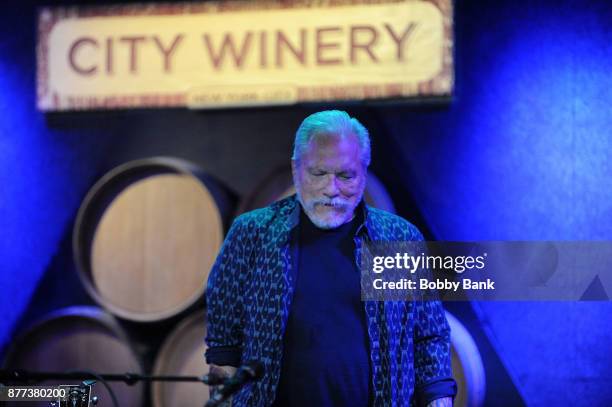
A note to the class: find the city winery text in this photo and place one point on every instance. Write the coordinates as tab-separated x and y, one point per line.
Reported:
306	47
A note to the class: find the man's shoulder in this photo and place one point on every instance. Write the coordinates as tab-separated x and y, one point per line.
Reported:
389	226
262	217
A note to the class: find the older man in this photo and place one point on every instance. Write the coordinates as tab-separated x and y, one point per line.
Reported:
285	290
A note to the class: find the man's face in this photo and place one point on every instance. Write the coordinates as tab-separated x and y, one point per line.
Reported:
330	179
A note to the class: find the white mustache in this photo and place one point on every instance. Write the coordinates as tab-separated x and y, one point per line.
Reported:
335	204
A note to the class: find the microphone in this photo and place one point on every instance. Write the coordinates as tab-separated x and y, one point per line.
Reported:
246	373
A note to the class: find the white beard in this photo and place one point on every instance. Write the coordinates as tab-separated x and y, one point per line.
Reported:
335	218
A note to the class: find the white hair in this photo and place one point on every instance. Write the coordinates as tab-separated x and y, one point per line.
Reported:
335	122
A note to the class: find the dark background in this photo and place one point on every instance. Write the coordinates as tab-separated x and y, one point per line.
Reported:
520	153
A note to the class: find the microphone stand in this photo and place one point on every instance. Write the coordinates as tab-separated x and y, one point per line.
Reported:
25	376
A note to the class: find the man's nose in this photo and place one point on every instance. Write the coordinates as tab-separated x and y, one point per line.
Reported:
331	189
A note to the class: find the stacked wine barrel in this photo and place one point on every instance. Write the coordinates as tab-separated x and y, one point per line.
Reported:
144	241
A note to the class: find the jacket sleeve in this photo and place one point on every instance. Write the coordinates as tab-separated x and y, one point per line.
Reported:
432	354
224	305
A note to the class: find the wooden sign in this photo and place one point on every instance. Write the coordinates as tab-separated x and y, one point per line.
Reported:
221	54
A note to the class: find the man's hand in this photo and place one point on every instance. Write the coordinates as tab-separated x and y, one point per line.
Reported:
443	402
223	372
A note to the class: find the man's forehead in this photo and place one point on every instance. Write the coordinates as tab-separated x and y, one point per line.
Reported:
333	159
333	143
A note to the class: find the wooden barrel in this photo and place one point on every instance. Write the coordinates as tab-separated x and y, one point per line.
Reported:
182	354
147	235
468	369
79	339
279	184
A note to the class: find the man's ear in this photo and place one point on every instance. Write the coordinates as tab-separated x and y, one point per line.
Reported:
294	165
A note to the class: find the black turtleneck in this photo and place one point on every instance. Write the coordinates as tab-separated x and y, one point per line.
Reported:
326	360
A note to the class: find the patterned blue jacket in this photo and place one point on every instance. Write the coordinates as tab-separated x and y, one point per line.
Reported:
249	296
